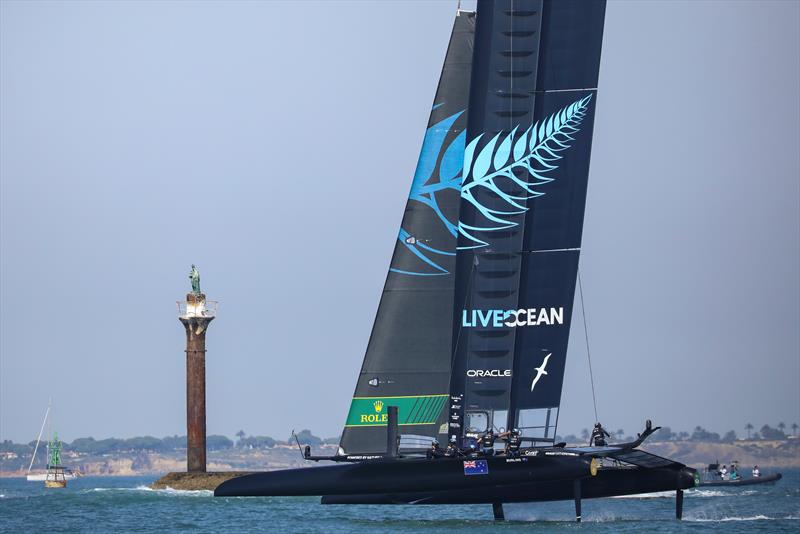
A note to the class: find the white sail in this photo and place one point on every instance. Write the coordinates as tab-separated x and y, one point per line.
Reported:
39	438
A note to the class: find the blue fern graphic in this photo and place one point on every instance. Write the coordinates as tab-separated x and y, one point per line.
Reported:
535	151
430	179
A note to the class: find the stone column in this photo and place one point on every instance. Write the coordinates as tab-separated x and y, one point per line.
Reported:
196	322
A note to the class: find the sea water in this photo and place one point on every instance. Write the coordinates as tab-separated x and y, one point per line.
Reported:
126	504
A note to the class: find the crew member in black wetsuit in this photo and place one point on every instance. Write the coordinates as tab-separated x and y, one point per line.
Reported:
599	436
513	442
487	443
435	451
452	450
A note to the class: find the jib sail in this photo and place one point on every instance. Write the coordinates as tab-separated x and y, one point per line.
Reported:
529	133
408	358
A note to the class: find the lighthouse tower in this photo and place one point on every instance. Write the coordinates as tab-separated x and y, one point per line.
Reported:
196	313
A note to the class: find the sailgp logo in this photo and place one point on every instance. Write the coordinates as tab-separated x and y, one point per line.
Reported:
512	318
540	371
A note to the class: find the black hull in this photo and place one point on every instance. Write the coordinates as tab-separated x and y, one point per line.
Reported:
402	476
766	479
607	483
442	481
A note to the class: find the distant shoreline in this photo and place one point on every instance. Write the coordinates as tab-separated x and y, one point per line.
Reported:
766	454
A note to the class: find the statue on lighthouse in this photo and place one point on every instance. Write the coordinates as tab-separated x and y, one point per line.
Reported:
194	277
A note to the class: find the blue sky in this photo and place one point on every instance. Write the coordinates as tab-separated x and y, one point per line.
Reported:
273	144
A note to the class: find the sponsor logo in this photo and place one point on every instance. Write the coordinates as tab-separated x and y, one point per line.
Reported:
494	373
512	318
411	410
374	419
540	371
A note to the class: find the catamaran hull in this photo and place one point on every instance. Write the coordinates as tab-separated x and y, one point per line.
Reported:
406	476
607	483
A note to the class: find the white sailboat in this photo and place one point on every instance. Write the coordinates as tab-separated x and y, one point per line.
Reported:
65	473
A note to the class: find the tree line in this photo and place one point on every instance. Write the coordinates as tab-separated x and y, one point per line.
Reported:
698	434
214	442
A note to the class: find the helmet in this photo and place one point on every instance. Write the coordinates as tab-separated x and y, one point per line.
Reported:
490	431
515	431
597	425
452	439
435	441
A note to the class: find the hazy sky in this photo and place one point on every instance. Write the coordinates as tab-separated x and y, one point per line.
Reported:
273	144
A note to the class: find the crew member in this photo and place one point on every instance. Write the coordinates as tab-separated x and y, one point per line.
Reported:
435	451
723	473
472	445
599	436
487	442
452	449
513	442
756	472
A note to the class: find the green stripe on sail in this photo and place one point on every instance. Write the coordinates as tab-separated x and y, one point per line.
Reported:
373	411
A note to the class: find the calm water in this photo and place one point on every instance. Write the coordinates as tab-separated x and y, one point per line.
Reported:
103	504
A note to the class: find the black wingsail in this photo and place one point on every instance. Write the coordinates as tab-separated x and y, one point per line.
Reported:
408	359
531	112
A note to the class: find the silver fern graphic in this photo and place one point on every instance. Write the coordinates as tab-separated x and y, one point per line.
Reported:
535	152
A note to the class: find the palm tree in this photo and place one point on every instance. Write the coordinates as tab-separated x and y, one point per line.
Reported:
794	429
240	434
782	427
585	433
748	427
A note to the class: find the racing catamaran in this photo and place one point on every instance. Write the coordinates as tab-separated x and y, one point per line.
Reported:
473	324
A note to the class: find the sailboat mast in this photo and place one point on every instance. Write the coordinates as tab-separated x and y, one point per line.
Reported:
39	438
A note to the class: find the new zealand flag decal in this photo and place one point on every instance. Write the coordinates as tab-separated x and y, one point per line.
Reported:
476	467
